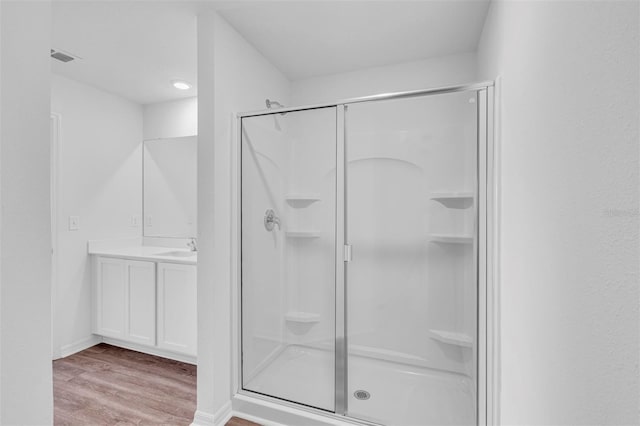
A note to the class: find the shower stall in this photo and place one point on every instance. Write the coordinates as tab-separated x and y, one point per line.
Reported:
362	258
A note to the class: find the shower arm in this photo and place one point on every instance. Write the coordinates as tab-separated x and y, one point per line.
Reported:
270	104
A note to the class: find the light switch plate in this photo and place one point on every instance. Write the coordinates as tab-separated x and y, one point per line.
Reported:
74	223
135	221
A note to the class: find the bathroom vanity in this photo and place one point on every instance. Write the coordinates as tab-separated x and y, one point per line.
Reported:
144	298
144	290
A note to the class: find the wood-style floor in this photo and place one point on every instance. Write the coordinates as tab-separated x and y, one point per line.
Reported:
235	421
107	385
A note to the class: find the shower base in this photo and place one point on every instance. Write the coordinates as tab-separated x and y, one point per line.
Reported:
399	394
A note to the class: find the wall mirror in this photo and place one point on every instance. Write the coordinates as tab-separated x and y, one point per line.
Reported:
170	187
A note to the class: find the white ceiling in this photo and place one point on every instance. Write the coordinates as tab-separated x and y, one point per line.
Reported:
130	48
134	48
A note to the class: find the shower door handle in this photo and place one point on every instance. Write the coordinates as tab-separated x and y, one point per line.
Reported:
347	252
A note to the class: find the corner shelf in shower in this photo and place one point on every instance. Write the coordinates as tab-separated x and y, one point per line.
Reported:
454	200
452	338
301	200
302	317
302	234
451	239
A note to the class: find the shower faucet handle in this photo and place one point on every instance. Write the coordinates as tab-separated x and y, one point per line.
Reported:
270	220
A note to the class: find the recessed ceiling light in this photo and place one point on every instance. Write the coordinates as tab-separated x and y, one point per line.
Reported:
180	84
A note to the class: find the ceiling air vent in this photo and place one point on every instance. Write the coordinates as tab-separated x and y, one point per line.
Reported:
63	57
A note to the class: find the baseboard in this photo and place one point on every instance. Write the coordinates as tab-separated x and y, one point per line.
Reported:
203	419
219	418
80	345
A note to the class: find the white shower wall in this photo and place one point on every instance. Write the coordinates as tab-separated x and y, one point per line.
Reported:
432	72
402	287
311	262
428	73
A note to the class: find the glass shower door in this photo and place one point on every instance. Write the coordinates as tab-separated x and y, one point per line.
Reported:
411	173
288	193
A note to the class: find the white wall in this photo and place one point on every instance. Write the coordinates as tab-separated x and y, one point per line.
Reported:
100	180
569	209
171	119
25	231
233	77
424	74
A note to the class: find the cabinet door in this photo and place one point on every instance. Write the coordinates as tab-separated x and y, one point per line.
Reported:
177	303
141	302
110	297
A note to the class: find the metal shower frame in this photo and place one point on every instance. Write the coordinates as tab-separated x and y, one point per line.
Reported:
485	251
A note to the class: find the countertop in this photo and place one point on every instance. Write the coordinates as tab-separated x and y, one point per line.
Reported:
150	253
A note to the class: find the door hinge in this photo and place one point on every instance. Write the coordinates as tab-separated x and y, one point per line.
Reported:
347	252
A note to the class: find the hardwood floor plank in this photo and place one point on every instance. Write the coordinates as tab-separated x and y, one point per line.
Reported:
154	398
165	385
84	362
64	418
65	404
158	367
237	421
108	406
66	371
124	382
104	404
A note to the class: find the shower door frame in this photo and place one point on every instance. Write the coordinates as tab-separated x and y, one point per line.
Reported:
486	255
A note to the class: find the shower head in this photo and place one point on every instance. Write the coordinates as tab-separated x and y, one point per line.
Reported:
271	104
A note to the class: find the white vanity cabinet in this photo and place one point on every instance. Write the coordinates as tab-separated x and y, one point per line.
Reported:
177	302
146	305
125	297
140	325
108	298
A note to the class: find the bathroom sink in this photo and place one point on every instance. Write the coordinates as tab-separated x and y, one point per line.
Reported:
179	253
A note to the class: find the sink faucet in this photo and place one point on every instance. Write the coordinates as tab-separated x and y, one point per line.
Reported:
193	245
